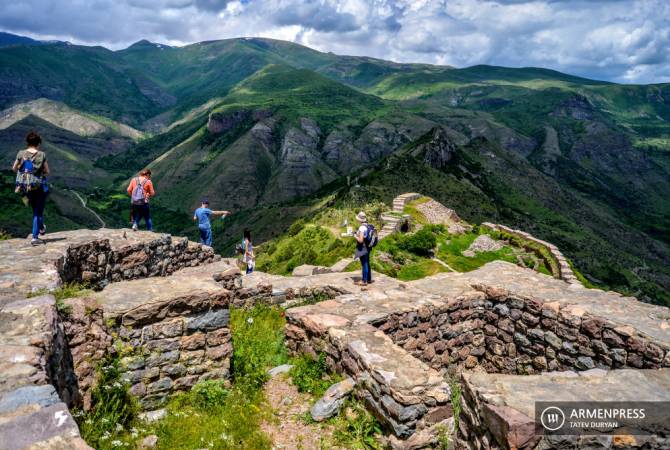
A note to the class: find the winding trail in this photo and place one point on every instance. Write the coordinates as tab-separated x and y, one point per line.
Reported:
83	203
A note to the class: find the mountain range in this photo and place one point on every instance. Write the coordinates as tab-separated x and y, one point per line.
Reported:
274	130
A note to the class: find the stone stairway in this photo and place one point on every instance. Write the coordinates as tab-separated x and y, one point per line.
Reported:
400	201
391	224
393	219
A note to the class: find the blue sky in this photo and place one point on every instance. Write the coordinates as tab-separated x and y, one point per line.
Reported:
617	40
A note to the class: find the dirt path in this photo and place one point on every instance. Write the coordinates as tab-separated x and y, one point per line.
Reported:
83	203
288	429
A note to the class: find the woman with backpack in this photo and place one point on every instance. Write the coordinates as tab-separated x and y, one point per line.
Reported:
141	189
366	238
31	169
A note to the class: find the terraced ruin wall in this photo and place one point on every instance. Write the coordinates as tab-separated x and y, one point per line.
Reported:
565	271
504	333
49	352
97	263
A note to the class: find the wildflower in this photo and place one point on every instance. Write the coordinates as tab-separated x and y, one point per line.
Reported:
89	421
117	384
117	443
105	420
250	320
118	427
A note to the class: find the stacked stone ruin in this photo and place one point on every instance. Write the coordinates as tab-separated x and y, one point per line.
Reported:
169	331
507	334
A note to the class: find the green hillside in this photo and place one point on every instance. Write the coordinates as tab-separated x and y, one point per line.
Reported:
277	132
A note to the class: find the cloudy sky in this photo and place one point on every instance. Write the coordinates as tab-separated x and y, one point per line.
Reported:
618	40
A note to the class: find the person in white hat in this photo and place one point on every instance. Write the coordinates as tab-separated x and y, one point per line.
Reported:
362	249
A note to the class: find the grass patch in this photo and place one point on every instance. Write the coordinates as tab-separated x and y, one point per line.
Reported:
312	376
356	428
258	342
304	244
68	290
450	250
420	269
210	416
113	415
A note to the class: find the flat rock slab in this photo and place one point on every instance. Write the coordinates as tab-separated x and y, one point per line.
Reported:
521	392
138	300
37	427
342	282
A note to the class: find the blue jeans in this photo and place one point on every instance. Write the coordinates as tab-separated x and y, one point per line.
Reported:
37	199
142	212
206	236
365	265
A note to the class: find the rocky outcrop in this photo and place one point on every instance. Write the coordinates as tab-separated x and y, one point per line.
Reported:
301	170
437	151
220	122
64	117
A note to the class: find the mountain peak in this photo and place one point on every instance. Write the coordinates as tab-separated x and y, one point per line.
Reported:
145	44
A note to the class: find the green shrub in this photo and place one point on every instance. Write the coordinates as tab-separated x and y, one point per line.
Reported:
258	342
356	428
113	409
209	394
420	243
312	376
296	228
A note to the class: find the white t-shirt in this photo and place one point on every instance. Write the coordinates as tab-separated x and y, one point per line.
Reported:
363	229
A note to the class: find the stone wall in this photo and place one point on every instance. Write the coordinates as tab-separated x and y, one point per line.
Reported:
504	333
49	354
404	403
165	345
97	262
565	271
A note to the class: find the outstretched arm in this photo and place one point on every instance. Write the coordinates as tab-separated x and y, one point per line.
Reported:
16	166
221	213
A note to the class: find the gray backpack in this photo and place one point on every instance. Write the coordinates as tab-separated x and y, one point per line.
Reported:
138	197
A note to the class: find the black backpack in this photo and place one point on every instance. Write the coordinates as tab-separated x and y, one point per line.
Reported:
371	239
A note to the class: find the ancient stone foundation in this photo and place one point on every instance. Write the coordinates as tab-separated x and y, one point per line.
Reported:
507	335
405	344
169	332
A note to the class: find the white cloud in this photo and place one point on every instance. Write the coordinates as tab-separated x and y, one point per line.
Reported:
620	40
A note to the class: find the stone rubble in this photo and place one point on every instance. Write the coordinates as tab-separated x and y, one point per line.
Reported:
483	243
331	402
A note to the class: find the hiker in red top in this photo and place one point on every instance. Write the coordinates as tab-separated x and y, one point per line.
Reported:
141	190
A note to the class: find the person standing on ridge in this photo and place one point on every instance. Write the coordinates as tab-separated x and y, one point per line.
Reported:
366	238
141	189
31	170
202	215
248	257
